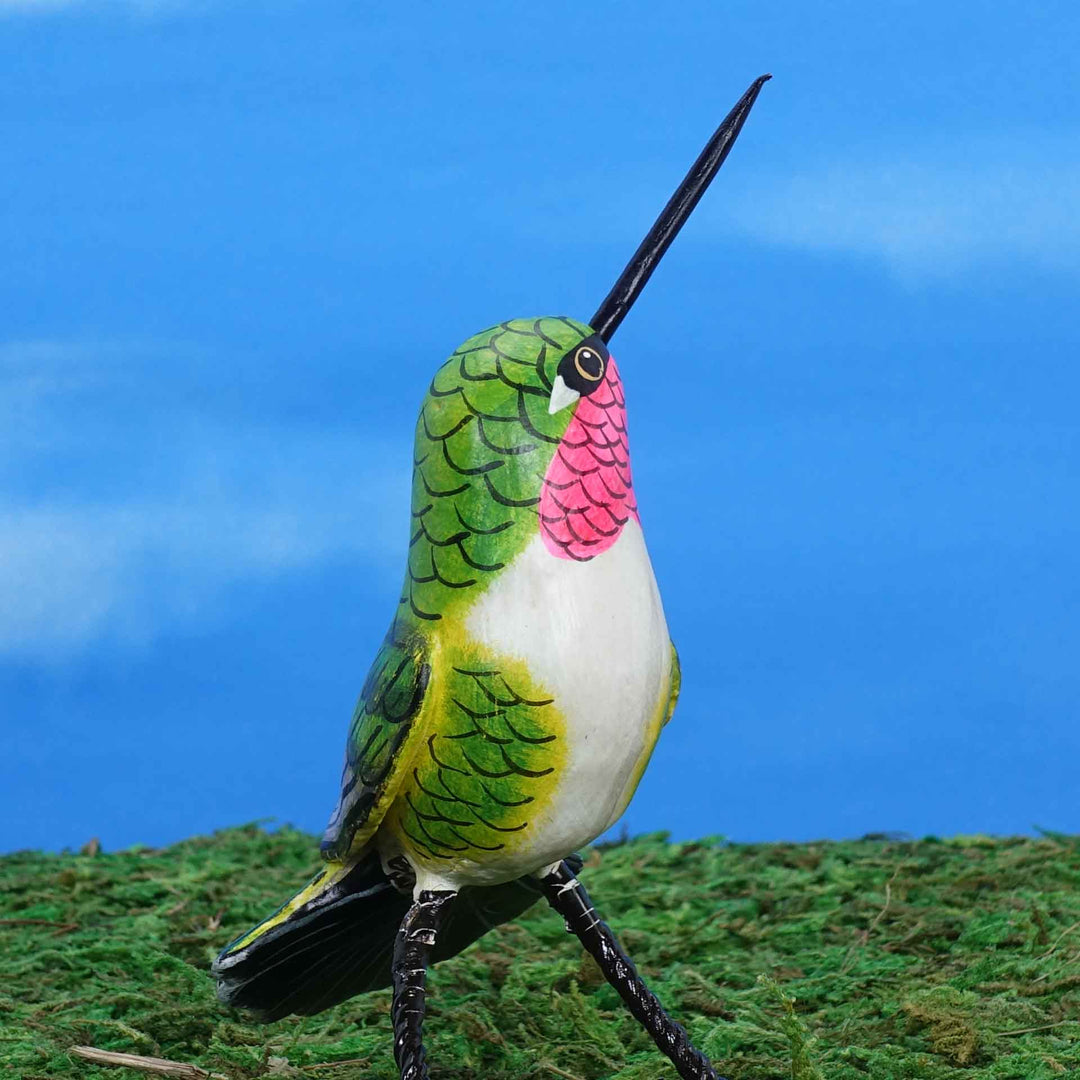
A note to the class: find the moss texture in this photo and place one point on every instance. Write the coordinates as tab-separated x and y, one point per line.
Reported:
880	957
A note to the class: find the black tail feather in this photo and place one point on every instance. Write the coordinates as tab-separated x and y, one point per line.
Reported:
331	950
326	951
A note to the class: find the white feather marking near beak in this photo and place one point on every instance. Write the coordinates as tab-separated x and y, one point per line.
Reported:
561	396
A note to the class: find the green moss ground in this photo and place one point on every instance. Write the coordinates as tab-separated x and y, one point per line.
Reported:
881	958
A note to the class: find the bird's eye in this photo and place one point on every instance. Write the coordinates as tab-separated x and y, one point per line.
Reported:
580	372
589	363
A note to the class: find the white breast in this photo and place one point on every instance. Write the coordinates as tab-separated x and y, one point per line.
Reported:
594	637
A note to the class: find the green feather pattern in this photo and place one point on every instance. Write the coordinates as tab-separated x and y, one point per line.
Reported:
484	439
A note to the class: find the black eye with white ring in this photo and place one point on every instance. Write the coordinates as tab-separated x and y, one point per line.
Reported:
583	368
588	363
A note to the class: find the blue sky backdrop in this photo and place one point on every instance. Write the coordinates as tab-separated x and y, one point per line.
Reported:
238	238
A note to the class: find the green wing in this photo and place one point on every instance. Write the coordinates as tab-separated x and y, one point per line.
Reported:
389	708
487	770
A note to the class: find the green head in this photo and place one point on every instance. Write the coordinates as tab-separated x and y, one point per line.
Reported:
526	368
485	437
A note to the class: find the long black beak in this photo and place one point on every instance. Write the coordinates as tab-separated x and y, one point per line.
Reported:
638	271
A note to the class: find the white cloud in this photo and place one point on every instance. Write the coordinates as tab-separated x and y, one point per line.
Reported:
944	210
121	530
965	208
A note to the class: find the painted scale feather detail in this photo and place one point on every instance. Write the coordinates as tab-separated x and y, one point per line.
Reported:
588	491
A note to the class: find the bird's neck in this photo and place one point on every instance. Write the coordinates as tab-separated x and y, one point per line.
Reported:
588	490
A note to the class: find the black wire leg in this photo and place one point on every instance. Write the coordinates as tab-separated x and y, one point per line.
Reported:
412	947
569	898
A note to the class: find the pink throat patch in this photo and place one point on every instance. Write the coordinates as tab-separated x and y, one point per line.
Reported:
588	493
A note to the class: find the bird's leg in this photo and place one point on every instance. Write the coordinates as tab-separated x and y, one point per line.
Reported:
569	898
415	938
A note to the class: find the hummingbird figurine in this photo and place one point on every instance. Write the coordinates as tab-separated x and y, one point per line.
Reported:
516	699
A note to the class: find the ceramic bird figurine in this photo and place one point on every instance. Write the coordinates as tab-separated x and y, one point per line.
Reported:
520	690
